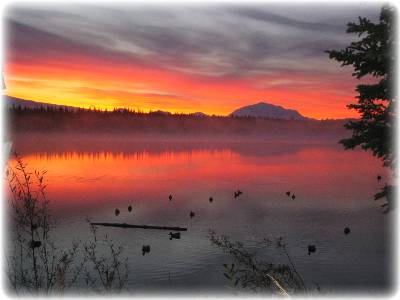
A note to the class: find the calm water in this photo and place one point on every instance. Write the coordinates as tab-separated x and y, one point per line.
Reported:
334	189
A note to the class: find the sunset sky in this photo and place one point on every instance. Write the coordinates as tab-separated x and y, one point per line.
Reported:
212	59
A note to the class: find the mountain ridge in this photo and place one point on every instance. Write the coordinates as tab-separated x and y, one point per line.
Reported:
267	110
11	101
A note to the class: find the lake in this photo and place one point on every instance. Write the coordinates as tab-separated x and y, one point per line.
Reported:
334	189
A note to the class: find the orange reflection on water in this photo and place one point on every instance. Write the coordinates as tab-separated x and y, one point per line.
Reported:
325	173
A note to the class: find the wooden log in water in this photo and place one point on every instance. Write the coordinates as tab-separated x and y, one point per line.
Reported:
124	225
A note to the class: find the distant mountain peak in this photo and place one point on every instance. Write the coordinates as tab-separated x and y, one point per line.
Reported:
267	110
199	114
19	102
160	112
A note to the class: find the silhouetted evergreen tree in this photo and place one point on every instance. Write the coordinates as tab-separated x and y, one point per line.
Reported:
373	56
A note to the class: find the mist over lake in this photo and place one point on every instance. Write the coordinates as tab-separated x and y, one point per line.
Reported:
91	176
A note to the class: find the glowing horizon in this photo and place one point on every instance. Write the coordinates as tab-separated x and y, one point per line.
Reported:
160	59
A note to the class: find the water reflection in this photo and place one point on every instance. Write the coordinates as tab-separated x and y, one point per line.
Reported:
235	188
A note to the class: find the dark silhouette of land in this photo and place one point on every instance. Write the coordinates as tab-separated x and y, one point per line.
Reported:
65	120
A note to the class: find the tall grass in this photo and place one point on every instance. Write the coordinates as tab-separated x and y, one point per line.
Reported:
35	263
248	271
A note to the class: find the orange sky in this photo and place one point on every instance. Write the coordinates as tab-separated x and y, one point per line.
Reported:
109	86
48	66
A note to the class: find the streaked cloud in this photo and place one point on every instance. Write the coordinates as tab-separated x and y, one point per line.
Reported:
264	47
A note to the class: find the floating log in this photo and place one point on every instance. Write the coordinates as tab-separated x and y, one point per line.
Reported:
124	225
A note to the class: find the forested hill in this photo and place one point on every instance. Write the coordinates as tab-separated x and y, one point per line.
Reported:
62	120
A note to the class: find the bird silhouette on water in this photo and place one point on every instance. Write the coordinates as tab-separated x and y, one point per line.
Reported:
288	193
211	199
174	235
346	230
117	212
379	177
311	249
129	208
293	197
191	214
145	249
170	197
237	193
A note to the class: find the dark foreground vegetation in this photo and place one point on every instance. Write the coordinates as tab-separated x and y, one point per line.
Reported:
373	55
38	264
249	272
64	120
